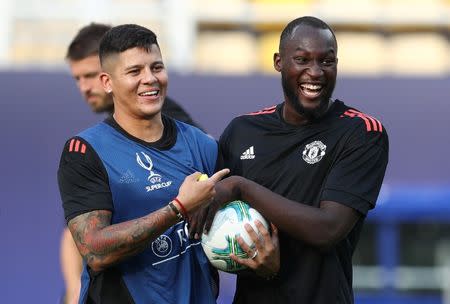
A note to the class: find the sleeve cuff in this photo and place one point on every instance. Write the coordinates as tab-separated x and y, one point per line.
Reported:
347	199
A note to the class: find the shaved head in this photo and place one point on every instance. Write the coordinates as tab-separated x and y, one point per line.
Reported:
289	31
124	37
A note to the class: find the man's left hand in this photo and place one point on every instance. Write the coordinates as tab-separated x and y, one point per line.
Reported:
264	256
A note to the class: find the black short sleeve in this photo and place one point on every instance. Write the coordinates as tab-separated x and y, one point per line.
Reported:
82	179
357	175
225	152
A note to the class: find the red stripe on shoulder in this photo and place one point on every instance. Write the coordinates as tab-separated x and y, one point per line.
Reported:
369	123
372	124
268	110
71	144
76	145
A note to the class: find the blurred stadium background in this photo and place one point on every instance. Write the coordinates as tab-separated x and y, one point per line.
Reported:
394	63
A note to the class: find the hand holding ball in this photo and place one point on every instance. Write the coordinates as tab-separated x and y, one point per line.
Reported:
221	241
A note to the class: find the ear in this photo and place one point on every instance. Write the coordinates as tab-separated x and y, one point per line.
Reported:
105	78
277	62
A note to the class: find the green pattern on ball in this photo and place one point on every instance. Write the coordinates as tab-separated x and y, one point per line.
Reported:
243	213
242	210
224	254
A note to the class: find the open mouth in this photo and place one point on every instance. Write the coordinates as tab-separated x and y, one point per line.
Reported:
311	90
152	93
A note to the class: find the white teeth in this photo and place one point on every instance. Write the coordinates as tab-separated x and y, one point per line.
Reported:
310	86
151	93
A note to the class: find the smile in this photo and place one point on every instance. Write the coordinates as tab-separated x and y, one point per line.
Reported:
149	93
311	90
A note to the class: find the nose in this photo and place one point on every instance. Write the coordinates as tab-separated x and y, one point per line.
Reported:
149	76
315	69
84	85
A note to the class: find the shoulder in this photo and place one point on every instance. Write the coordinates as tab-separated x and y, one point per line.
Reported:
262	112
265	114
364	126
193	133
97	131
80	148
262	117
188	129
366	122
77	149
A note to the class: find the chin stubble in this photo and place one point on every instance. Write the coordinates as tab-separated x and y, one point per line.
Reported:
293	100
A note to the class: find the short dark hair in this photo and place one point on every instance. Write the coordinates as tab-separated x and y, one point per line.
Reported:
87	41
308	21
126	36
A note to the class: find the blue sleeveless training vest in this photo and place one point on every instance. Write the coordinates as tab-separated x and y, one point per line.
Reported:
173	269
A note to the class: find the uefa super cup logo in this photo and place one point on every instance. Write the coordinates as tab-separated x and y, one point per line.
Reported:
154	178
148	165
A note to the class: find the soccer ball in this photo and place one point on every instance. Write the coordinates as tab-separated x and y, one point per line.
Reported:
221	240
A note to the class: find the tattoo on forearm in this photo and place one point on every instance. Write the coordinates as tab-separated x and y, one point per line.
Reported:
103	244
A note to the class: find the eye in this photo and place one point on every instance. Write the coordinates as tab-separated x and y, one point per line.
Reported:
91	75
133	72
300	60
158	67
329	61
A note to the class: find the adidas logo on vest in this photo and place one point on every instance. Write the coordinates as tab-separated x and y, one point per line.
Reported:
249	153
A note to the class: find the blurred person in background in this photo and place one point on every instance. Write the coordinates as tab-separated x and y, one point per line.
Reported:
83	60
311	165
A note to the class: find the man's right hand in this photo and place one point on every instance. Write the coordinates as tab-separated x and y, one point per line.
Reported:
193	193
226	190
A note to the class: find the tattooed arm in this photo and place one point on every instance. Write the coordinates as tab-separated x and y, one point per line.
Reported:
84	187
102	244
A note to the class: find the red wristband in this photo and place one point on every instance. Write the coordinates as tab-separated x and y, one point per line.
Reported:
183	210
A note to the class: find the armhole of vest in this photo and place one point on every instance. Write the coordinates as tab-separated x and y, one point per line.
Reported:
220	164
125	289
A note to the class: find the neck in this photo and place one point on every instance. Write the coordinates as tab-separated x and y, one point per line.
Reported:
148	130
292	117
